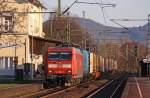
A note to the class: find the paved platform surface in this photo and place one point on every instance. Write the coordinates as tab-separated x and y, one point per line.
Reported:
137	87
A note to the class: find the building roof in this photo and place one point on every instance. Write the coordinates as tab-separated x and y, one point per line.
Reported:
37	3
34	2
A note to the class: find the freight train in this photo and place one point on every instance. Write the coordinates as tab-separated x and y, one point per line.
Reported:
69	66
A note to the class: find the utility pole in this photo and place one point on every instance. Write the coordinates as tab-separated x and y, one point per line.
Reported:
51	24
105	50
83	15
59	8
136	58
148	46
148	38
68	29
127	56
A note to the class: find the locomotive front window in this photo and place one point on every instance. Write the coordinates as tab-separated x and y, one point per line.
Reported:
66	55
53	56
60	56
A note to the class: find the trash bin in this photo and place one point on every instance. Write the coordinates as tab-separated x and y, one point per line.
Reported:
29	71
19	75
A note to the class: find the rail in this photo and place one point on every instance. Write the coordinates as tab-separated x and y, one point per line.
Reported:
112	89
64	90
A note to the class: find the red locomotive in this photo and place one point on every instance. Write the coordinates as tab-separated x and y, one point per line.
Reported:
63	66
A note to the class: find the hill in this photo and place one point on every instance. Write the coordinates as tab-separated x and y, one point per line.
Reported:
101	31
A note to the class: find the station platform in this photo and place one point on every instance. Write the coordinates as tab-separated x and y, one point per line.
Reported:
137	87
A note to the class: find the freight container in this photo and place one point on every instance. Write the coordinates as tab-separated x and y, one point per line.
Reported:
95	62
115	65
98	67
86	68
102	64
91	62
106	64
110	64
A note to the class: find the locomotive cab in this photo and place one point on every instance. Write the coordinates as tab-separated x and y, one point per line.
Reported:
63	65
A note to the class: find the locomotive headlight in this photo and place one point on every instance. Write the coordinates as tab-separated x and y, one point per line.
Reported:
52	65
66	65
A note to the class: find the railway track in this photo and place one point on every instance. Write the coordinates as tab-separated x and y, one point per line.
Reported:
66	92
12	92
36	91
112	89
79	91
72	91
51	92
41	93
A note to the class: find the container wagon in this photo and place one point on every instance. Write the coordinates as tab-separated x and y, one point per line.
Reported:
102	64
94	65
98	67
86	65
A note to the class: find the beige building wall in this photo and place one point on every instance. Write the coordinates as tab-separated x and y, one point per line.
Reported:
10	51
25	24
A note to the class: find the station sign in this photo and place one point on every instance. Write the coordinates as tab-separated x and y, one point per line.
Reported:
146	60
11	44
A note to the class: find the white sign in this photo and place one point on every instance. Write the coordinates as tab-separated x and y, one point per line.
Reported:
11	44
146	60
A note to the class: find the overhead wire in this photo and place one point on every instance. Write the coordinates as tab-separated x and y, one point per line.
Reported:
69	7
102	9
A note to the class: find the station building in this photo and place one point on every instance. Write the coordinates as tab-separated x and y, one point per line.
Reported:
21	34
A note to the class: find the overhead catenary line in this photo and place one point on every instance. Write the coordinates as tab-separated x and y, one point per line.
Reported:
69	7
119	24
17	12
98	31
97	3
125	19
102	9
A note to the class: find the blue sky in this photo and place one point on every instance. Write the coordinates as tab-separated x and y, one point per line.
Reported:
132	9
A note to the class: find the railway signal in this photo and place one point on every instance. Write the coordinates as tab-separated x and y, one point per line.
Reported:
136	50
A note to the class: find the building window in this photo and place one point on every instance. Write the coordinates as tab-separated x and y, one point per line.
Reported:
6	22
6	62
